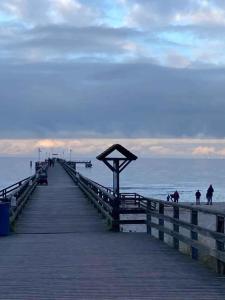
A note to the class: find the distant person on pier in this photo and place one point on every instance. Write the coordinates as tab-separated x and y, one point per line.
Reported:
198	196
209	195
168	197
175	196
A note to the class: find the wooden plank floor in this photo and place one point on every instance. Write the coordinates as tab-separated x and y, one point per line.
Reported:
62	250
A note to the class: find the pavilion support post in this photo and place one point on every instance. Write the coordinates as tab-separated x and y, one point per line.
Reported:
116	215
116	177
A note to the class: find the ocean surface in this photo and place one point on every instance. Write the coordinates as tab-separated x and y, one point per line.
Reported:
146	176
13	169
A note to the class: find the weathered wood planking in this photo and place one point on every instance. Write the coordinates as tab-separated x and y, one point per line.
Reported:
62	250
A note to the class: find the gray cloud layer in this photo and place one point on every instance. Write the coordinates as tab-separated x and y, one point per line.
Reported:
134	100
65	73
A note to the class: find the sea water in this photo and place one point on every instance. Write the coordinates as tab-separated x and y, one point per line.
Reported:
146	176
159	177
13	169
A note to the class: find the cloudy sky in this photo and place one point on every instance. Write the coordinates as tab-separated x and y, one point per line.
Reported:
86	73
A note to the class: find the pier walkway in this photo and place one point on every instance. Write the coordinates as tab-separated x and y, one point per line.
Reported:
61	249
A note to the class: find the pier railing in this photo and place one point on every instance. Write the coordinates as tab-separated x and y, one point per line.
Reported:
109	204
193	229
17	195
16	186
22	195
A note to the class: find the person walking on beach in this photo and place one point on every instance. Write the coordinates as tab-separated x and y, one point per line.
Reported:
176	196
209	195
168	197
198	196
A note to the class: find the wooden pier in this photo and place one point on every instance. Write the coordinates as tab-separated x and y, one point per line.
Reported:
62	249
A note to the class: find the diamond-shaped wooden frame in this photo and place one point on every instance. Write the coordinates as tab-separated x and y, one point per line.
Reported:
122	161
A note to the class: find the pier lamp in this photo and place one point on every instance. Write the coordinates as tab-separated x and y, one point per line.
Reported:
116	164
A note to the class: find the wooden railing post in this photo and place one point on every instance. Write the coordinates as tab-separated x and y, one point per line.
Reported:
194	235
161	221
148	217
116	214
176	227
219	244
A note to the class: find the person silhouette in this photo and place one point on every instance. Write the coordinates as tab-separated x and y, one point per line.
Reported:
176	196
198	196
209	195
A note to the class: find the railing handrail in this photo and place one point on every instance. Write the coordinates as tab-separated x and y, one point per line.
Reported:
96	184
101	197
187	206
9	189
23	197
103	189
79	161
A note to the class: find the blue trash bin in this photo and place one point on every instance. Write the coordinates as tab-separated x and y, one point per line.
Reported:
4	218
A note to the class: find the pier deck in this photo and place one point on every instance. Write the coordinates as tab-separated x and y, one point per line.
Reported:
61	249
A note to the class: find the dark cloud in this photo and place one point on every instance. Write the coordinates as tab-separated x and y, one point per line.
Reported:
133	100
50	41
50	87
86	39
206	31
